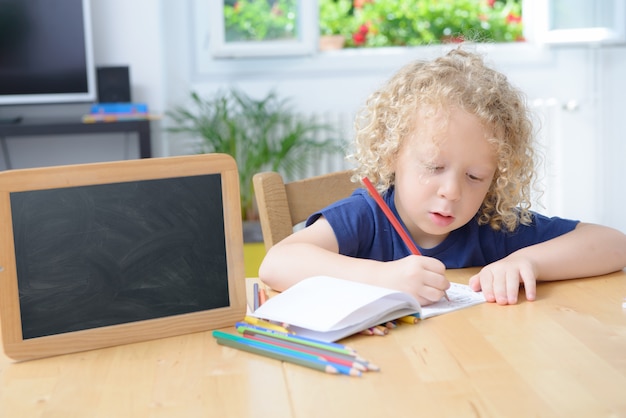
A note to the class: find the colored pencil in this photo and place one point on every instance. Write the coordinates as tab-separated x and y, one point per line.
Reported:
380	330
295	338
255	296
327	355
265	324
349	359
394	221
298	342
267	353
262	295
295	353
409	319
283	353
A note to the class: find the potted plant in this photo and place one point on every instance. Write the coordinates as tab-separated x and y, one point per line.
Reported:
262	135
335	23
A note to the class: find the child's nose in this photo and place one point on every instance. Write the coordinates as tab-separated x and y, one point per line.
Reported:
450	187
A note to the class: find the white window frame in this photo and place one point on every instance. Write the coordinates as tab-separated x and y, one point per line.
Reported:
254	60
305	44
542	32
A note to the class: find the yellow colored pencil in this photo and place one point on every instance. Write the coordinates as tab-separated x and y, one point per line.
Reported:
409	319
265	324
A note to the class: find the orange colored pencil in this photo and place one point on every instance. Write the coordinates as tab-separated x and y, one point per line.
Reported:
262	295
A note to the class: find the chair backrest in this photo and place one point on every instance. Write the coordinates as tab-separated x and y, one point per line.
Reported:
283	205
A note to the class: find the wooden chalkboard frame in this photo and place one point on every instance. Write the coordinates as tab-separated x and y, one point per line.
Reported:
18	348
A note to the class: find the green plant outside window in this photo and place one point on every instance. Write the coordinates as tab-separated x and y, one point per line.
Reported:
260	20
380	23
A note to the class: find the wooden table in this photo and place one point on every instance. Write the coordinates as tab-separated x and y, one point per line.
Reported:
562	355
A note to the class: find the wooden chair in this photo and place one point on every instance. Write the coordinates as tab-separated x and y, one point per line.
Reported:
282	206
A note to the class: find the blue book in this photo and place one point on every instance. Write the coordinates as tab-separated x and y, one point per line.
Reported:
121	108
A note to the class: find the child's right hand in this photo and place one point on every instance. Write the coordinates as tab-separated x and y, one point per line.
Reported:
422	277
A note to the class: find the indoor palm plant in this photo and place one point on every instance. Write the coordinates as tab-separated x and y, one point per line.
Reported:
262	135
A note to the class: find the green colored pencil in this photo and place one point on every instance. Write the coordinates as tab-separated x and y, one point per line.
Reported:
249	346
287	351
272	339
339	348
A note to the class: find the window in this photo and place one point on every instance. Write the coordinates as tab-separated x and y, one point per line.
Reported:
295	50
579	21
384	23
292	27
248	28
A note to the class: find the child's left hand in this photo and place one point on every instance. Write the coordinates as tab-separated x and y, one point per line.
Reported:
500	281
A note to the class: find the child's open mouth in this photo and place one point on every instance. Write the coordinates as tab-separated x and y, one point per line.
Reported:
440	219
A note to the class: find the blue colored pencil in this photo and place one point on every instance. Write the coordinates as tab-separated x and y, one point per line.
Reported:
331	356
267	353
284	350
281	353
309	346
296	338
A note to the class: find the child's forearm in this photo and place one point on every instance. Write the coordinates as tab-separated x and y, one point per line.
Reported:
285	265
589	250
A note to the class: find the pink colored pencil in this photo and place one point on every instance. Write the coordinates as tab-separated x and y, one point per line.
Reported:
262	295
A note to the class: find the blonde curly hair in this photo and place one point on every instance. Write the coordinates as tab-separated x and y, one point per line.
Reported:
461	79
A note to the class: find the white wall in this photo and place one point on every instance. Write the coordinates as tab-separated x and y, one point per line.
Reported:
124	33
157	40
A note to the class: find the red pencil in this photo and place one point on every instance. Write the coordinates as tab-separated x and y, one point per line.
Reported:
389	214
394	221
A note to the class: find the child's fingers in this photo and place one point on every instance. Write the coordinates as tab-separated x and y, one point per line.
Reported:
527	277
484	281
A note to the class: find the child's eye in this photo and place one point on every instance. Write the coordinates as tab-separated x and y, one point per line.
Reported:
433	168
473	177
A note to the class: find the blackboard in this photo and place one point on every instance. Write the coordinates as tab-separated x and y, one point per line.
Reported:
101	255
122	254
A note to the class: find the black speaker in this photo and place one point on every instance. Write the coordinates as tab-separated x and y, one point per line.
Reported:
113	85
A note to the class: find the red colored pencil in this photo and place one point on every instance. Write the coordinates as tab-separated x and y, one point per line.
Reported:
394	221
389	214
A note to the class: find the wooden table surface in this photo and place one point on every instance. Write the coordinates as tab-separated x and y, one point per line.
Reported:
563	355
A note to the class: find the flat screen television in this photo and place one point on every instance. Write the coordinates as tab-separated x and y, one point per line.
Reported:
46	53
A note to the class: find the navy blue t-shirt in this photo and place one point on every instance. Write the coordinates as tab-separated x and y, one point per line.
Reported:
363	231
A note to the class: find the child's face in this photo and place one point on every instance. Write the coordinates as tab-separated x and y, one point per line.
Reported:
442	175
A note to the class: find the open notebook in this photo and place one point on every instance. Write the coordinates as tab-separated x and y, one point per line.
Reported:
328	308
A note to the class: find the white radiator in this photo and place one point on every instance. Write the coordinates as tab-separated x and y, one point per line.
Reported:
548	196
341	134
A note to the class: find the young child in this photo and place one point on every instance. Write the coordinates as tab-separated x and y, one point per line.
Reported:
448	143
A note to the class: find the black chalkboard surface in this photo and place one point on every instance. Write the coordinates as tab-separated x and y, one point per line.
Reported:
101	255
121	254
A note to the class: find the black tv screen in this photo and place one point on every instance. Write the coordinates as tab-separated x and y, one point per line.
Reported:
46	52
